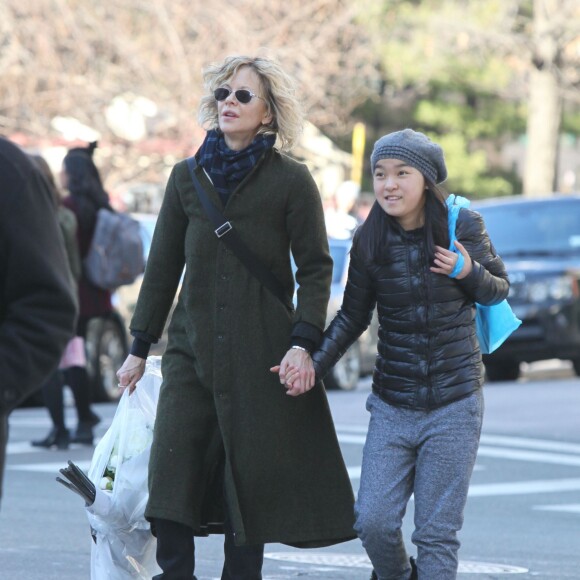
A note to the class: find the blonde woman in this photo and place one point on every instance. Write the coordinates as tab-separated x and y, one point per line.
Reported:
235	450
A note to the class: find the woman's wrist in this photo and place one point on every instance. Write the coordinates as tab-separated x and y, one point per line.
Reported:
296	347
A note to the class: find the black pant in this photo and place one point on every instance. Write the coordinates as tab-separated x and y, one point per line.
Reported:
3	443
77	379
176	554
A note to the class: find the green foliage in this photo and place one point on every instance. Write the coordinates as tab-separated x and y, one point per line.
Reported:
433	51
462	67
475	116
457	122
423	42
571	122
468	169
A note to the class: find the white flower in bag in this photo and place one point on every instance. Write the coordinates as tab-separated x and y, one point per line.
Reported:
106	484
138	435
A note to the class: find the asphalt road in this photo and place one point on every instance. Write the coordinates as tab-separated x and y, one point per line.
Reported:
523	515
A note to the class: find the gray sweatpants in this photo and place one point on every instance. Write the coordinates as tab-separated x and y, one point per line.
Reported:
430	454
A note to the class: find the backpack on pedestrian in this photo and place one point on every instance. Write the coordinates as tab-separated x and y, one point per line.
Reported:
115	256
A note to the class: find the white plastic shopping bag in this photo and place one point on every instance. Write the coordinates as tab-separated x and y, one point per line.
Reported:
124	548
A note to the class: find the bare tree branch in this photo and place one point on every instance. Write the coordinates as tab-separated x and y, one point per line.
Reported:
74	58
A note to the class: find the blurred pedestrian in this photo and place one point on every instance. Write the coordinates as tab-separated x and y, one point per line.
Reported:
426	404
38	306
74	355
340	217
232	452
363	206
81	178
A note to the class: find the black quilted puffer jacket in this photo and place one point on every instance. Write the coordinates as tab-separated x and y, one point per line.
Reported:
428	352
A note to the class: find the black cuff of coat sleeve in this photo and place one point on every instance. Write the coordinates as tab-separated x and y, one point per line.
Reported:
144	336
304	343
471	281
306	331
140	348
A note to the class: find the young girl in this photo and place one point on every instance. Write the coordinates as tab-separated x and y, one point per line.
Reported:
426	403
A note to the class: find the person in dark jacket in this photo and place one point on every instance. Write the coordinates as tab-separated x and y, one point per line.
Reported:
38	306
81	178
426	405
52	389
235	451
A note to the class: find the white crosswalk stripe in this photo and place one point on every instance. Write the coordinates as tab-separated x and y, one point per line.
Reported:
524	487
52	467
509	448
493	446
573	508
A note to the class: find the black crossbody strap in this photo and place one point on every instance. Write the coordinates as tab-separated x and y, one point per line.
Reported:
228	235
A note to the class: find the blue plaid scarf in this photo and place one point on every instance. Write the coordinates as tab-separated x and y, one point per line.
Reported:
226	167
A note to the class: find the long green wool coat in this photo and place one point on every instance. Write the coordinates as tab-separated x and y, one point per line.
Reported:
224	422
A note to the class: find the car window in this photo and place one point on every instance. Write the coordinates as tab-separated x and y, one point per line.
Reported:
339	254
533	228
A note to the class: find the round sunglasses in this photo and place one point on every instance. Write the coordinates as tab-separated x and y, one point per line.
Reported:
242	95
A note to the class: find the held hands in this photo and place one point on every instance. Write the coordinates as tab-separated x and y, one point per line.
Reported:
131	372
445	260
296	372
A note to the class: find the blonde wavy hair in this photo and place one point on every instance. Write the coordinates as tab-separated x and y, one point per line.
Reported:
278	90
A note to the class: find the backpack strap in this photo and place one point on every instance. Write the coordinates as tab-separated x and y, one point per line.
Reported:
454	204
225	231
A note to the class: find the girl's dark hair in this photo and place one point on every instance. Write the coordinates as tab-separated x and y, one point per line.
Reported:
84	183
371	241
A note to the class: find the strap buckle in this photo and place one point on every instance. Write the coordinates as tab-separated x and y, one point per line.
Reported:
223	229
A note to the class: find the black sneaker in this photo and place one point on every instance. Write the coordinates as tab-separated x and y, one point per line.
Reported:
59	438
414	573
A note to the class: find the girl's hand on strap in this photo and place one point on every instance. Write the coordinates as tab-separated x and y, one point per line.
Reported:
453	264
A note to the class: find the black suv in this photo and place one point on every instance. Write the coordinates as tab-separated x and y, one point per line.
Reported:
539	242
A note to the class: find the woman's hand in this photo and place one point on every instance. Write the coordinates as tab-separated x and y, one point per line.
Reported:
296	371
131	372
445	260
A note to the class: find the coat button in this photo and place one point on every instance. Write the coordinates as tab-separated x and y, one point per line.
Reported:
223	277
220	337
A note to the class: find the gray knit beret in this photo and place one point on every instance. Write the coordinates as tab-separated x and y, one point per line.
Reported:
415	149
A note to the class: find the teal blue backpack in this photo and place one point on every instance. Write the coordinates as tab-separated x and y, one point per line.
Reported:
493	323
